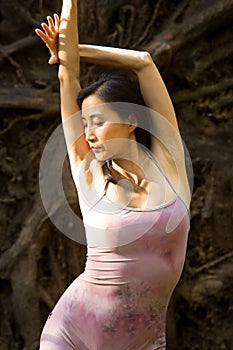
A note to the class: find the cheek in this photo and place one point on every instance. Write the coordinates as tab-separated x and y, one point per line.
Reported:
107	132
103	134
112	131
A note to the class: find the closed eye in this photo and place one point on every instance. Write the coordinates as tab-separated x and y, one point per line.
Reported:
98	123
95	124
95	121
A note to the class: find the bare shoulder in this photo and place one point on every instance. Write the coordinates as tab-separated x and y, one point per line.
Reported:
88	175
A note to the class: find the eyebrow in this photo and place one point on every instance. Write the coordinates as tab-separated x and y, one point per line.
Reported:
93	116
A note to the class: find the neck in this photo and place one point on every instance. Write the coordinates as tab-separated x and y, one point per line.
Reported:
130	169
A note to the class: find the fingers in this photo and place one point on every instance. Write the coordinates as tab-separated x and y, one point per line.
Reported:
51	30
42	35
51	24
49	35
46	36
57	21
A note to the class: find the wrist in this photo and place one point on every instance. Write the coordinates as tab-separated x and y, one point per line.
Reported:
67	73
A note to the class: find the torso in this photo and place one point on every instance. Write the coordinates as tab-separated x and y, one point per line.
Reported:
135	256
134	261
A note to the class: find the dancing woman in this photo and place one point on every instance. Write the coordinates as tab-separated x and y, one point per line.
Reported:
133	193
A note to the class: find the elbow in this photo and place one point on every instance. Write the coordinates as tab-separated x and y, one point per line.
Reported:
145	60
146	56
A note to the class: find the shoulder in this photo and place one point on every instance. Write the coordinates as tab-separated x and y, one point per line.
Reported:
88	174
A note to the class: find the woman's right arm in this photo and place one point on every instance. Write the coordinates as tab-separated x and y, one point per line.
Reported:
66	53
69	72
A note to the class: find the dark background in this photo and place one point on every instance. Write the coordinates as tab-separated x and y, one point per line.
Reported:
191	42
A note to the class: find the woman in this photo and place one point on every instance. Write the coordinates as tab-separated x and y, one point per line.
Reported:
133	199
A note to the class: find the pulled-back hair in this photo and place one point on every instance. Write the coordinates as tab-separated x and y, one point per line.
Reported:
122	92
114	88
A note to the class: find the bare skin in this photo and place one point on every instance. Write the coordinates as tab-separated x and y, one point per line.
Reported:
61	38
96	134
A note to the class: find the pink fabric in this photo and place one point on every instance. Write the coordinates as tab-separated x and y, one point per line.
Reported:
119	302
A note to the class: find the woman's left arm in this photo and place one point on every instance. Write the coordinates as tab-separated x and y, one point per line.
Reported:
152	86
167	144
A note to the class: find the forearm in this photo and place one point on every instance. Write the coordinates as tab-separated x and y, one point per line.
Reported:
151	83
68	50
68	53
113	57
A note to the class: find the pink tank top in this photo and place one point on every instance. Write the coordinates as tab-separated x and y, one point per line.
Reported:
135	258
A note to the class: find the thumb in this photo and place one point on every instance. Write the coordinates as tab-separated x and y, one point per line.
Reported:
53	59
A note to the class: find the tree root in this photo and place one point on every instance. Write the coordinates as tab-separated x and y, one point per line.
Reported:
198	19
211	264
30	99
19	45
144	35
211	90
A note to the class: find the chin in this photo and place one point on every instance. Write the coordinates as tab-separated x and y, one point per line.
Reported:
101	157
104	156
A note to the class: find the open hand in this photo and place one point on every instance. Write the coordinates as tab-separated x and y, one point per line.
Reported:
50	37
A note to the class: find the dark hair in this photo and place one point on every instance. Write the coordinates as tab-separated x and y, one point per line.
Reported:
123	91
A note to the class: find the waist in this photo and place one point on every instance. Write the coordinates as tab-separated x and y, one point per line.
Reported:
105	267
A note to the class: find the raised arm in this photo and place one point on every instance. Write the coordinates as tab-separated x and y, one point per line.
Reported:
61	37
69	71
167	144
68	55
153	89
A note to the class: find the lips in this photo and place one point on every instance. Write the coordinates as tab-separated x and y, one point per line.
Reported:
96	149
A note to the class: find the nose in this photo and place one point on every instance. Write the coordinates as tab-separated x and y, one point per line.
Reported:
90	135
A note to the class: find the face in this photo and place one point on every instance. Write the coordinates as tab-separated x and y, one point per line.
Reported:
106	133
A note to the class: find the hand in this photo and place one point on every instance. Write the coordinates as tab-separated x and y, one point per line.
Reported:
50	37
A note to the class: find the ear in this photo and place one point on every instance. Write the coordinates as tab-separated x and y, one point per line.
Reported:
132	122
